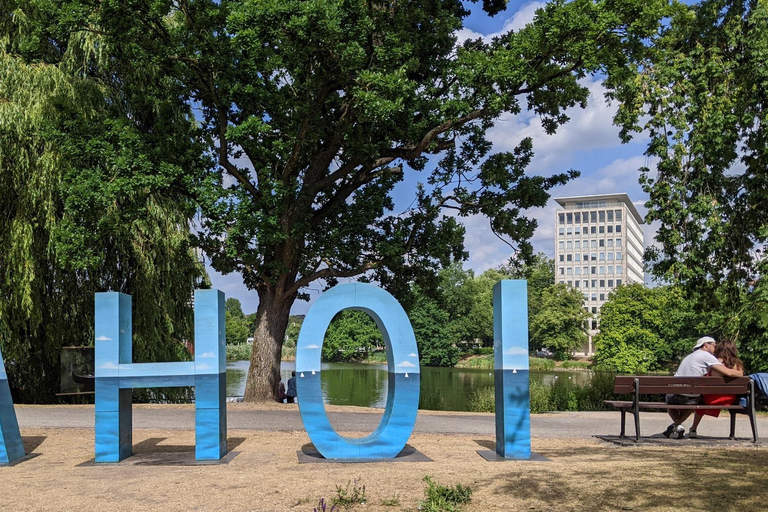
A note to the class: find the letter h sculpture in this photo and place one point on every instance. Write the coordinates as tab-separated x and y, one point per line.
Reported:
116	376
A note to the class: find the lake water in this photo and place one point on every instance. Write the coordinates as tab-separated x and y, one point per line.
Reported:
366	385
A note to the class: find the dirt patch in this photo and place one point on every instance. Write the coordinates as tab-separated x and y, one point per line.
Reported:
266	476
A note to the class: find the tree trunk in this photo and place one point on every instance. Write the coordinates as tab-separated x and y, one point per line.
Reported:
271	322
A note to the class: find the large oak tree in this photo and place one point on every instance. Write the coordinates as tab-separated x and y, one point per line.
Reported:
315	110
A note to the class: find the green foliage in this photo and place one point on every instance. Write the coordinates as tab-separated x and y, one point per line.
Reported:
430	326
539	396
440	498
351	495
539	363
563	395
482	400
94	188
351	336
240	352
559	325
237	325
700	97
644	329
476	362
292	331
571	365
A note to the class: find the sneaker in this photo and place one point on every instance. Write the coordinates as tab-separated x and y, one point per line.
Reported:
692	434
679	433
669	430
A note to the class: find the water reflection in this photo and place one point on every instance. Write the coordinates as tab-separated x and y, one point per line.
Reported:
366	385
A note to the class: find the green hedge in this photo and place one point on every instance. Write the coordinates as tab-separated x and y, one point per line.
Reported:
562	396
241	352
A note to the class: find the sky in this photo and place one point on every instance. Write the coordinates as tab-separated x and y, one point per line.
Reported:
589	142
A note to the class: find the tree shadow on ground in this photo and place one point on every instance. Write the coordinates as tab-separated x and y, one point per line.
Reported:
641	479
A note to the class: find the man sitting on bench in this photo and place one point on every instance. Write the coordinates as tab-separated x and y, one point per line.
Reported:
698	363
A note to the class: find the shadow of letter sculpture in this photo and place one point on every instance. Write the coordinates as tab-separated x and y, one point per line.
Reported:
11	447
510	363
399	416
116	376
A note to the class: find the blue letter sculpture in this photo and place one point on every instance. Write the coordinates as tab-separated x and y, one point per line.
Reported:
510	358
116	376
399	417
11	447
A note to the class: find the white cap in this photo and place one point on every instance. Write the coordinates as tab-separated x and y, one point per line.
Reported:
703	340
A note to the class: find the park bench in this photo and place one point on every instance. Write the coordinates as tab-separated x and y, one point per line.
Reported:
653	385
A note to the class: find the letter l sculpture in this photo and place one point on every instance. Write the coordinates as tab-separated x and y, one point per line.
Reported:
510	358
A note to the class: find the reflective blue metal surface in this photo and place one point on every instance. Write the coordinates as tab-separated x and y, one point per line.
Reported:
11	447
116	376
510	352
399	416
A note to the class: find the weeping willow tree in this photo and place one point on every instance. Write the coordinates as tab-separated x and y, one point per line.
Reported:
92	198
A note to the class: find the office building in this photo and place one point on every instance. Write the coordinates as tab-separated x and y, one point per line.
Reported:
599	245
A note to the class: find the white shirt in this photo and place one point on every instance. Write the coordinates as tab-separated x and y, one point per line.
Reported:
696	364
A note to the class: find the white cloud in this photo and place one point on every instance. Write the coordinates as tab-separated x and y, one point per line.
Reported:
108	366
313	347
413	354
517	21
103	338
516	351
589	128
208	355
406	364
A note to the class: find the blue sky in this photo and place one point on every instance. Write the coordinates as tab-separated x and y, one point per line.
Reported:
588	143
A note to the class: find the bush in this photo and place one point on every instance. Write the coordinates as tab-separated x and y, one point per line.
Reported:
599	388
483	361
539	397
440	498
241	352
482	400
538	363
575	365
564	396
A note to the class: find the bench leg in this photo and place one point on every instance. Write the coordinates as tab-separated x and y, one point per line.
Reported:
732	435
637	425
623	420
753	424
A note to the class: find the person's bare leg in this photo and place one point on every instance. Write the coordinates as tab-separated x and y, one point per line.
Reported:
696	420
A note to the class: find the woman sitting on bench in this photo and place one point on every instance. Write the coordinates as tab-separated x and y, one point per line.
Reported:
728	354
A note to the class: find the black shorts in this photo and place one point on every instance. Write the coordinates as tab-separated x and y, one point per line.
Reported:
683	400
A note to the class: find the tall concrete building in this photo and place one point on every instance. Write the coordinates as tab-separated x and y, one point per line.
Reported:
599	245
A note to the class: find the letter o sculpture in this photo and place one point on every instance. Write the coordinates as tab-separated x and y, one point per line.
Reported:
399	416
